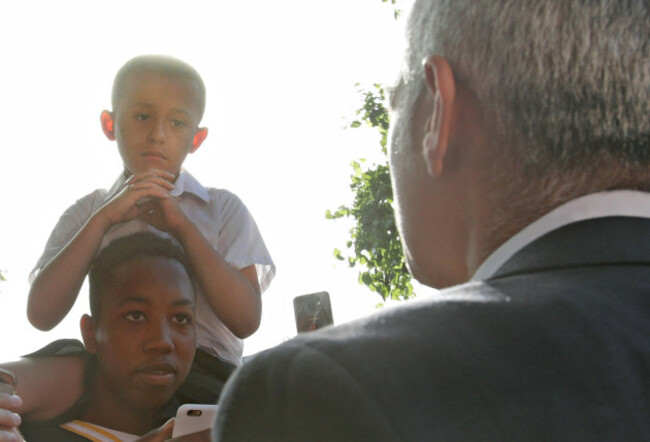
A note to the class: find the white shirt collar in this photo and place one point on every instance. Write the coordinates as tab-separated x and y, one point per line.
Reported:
596	205
187	183
184	183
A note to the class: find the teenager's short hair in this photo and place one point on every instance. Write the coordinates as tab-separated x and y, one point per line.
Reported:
159	64
120	250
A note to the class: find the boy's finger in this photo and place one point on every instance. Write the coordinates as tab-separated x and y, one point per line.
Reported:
153	179
156	188
168	176
7	435
10	402
159	434
9	419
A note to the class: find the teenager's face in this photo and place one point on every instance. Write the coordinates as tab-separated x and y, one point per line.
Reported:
144	336
155	121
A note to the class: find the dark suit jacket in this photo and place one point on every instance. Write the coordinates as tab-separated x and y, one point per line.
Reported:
555	346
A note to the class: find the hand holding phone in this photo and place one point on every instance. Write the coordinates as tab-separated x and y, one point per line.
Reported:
192	418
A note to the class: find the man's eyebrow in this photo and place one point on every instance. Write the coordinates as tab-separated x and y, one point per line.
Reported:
183	302
144	300
134	299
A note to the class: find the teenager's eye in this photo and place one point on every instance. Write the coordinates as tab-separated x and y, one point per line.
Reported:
178	123
182	319
142	117
135	316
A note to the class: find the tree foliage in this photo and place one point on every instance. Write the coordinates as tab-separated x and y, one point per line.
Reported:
396	12
374	239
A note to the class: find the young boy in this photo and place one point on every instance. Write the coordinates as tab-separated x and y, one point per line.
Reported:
139	342
158	103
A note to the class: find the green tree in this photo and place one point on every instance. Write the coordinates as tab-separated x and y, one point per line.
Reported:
396	12
374	239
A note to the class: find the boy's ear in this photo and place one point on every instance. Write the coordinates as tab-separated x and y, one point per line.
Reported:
200	135
89	333
442	88
108	125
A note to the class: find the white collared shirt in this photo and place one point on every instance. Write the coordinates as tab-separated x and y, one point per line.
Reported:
220	216
596	205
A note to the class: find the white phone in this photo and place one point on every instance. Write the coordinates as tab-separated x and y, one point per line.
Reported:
192	418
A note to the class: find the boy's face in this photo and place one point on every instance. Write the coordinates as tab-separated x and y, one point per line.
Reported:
144	334
155	121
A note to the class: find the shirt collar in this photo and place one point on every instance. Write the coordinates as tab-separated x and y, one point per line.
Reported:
185	183
596	205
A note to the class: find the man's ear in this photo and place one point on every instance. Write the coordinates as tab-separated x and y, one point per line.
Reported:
200	135
108	124
442	87
89	333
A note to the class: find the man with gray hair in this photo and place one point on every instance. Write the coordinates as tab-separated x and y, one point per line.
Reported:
520	158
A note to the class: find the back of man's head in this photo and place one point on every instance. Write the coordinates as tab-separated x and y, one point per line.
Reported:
565	85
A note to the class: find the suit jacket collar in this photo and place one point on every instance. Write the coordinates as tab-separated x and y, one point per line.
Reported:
614	203
601	241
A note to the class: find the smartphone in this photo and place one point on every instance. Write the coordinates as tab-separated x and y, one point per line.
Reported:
192	418
7	381
312	311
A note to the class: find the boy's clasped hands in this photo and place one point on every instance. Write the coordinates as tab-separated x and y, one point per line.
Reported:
146	196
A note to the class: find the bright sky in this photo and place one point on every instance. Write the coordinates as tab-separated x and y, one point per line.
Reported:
280	79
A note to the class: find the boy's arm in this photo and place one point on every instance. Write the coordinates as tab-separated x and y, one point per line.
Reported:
48	386
233	295
56	286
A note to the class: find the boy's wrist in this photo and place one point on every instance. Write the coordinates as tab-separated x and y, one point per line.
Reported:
101	221
183	230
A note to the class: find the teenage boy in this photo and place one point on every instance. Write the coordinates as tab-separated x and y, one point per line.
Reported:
139	343
158	103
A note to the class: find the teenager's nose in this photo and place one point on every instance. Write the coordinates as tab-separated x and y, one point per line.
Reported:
157	132
159	338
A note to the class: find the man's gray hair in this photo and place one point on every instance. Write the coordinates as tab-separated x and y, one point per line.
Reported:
562	82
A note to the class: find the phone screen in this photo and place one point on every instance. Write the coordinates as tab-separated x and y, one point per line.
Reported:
312	311
7	381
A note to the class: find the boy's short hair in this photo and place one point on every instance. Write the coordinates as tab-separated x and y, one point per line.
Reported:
124	249
159	64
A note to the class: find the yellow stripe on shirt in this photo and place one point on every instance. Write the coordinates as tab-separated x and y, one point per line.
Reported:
90	431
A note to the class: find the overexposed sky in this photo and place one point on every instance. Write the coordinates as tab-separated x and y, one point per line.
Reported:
281	81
